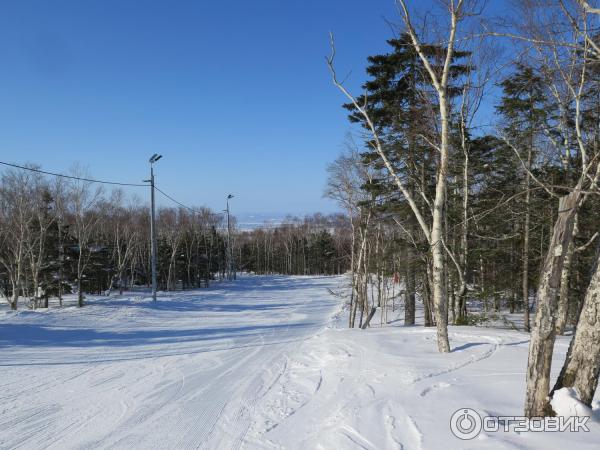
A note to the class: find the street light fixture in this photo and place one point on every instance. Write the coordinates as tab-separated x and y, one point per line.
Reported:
154	158
230	272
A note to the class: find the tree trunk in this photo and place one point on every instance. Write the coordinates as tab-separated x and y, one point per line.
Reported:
362	304
353	310
427	287
79	293
525	286
563	299
543	335
440	299
525	270
14	299
61	259
369	317
582	364
409	296
482	286
461	301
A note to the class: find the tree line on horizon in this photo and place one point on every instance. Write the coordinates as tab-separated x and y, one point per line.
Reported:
62	236
313	245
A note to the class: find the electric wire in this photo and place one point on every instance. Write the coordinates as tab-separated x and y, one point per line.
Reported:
181	204
71	177
31	169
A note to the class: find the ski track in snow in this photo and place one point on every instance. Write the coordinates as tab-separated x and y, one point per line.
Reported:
389	388
398	426
261	363
124	373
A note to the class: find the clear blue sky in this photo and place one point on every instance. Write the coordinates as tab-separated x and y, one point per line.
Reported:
235	94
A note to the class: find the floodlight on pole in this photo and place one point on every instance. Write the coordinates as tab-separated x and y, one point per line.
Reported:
155	157
230	269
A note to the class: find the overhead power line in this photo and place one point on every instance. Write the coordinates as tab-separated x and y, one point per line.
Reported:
31	169
182	205
114	183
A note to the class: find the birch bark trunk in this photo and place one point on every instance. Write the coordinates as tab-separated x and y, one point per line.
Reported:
582	364
409	294
543	335
525	270
563	299
440	300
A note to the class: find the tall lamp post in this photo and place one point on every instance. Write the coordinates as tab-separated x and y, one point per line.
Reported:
230	274
154	158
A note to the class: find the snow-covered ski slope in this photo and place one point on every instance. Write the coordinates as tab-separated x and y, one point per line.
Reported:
126	373
261	363
389	388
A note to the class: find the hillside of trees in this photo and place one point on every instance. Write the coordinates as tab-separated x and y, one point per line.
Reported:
473	173
68	236
314	245
62	236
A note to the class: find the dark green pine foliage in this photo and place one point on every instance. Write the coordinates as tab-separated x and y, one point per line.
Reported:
48	279
403	107
524	110
523	106
322	252
493	233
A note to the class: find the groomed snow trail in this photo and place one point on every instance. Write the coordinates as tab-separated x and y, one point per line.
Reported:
183	373
388	388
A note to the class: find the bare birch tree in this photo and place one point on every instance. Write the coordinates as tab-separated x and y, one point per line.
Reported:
36	239
15	222
439	76
82	201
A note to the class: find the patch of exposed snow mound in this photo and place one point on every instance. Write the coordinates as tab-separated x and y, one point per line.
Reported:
565	403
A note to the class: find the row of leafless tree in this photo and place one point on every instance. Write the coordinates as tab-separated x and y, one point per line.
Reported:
59	236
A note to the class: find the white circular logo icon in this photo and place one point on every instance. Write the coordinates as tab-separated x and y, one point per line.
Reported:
465	424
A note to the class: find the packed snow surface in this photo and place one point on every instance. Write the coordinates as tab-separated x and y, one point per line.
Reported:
259	363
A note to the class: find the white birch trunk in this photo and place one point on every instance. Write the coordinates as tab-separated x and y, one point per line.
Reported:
543	335
582	364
